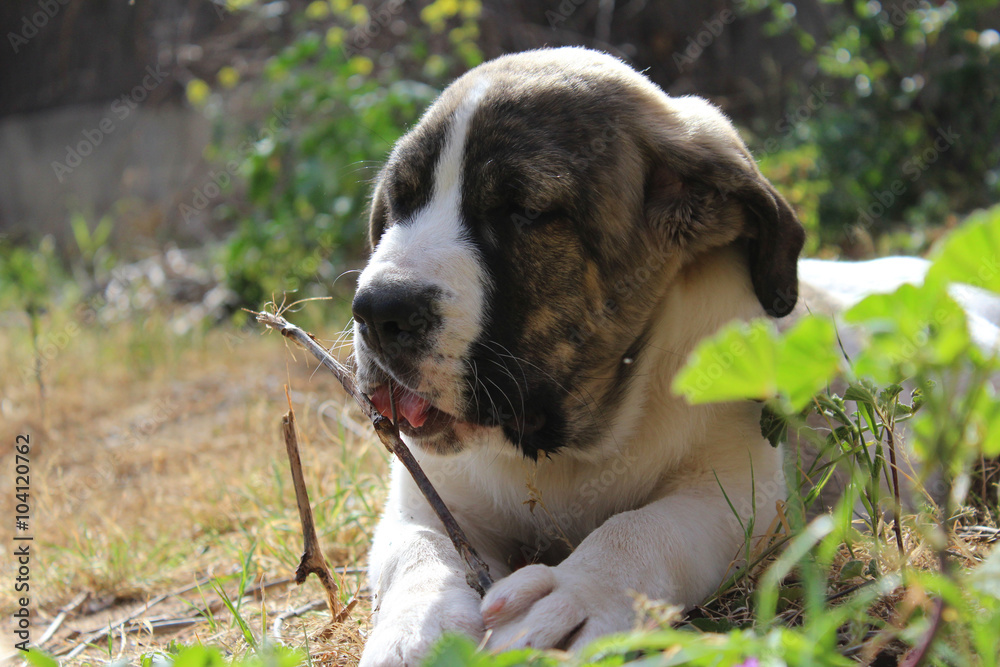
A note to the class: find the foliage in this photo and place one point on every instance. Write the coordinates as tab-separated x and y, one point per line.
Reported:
920	336
972	598
96	259
348	96
898	102
798	363
27	276
194	656
794	618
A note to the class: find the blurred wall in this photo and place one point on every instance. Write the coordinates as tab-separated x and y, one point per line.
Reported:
91	157
72	64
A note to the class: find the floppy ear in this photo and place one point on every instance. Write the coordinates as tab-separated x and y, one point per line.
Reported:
699	168
776	239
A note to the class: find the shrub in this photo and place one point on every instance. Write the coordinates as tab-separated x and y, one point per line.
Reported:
348	102
898	108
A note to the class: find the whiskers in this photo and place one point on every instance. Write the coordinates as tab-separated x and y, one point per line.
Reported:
521	373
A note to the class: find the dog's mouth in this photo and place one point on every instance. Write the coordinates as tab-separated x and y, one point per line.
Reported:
417	417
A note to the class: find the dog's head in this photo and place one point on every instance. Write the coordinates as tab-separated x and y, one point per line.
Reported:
525	230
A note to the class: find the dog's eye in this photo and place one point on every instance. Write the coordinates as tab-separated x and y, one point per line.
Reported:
527	219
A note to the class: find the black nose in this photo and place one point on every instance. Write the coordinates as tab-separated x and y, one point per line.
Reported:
397	318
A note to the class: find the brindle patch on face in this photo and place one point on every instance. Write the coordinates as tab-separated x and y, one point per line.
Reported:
584	190
556	230
407	180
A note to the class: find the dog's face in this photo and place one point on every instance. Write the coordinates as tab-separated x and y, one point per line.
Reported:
524	232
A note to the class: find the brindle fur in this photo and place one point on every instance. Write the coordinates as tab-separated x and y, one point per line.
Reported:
585	193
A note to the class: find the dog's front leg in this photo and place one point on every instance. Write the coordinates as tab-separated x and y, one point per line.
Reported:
418	581
676	549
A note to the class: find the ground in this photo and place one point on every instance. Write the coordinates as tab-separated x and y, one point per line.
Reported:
162	511
158	472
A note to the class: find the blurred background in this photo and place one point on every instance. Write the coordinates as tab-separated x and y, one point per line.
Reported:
215	152
165	163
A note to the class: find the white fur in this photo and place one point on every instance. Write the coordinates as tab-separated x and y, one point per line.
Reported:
649	509
645	509
433	249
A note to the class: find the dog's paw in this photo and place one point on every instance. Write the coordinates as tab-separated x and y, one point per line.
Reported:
408	625
553	607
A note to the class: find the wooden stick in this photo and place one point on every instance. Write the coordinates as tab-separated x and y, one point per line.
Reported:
102	633
477	572
63	613
279	621
312	560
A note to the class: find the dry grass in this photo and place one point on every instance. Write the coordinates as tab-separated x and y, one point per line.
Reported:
160	473
161	464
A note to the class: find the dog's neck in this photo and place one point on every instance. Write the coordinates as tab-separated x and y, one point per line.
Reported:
710	291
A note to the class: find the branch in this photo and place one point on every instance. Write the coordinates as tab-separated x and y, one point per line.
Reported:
477	573
916	657
312	560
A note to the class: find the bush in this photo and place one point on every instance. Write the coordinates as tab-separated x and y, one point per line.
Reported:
898	110
347	102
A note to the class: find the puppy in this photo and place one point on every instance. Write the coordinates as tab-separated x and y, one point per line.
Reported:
550	242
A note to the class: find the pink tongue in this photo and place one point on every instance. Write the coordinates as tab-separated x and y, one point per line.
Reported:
410	407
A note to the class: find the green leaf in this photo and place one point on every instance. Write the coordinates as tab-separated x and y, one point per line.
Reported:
736	363
986	577
852	569
985	422
913	327
458	651
807	360
752	361
971	253
39	659
199	656
860	392
773	426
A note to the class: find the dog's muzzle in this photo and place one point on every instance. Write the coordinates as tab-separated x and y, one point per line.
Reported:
397	322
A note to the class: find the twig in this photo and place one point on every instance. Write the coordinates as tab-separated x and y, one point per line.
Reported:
293	613
102	633
897	502
980	532
477	573
312	560
915	657
58	621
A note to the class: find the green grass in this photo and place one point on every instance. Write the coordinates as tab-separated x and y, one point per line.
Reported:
198	507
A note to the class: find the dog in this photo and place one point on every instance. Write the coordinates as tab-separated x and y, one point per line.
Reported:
550	242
